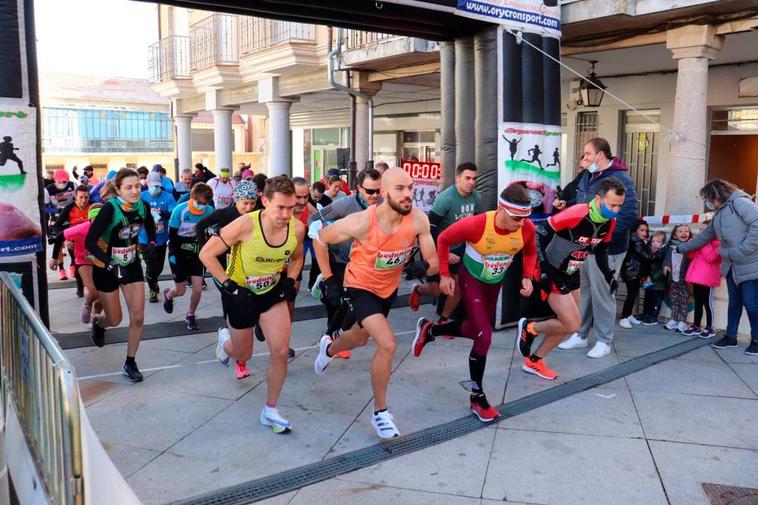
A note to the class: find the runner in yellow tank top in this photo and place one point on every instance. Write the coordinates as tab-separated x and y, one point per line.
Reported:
255	288
383	236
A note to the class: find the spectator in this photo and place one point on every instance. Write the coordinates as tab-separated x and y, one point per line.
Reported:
319	198
704	274
381	167
567	196
655	284
675	265
597	305
633	270
334	188
735	224
345	187
142	173
49	178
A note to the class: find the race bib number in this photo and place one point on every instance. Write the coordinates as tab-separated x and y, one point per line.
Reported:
573	266
224	201
494	266
387	260
159	227
124	256
260	283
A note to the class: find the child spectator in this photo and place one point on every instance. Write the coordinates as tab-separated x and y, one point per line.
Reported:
636	266
704	273
675	264
655	284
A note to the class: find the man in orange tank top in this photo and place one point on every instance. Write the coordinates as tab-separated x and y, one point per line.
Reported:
384	236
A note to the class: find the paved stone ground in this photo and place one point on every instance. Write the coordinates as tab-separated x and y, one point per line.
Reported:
652	437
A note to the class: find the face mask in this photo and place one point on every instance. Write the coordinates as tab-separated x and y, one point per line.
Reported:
606	212
143	182
198	206
592	168
709	205
154	190
60	185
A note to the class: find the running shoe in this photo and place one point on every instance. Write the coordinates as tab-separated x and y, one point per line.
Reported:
342	355
79	292
153	296
634	320
414	299
671	324
538	368
575	341
443	320
725	343
481	408
599	350
649	320
270	417
752	349
692	331
86	312
241	370
291	353
625	323
681	327
131	371
707	333
524	337
316	292
322	359
384	424
221	356
98	332
191	321
168	303
72	272
62	275
422	336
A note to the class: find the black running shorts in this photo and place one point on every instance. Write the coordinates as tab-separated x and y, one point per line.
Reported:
187	265
108	282
245	308
362	304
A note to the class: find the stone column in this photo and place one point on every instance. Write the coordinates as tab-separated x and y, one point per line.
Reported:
465	101
279	138
223	141
361	133
692	47
184	141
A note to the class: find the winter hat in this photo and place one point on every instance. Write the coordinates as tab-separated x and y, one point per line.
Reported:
154	179
245	190
61	175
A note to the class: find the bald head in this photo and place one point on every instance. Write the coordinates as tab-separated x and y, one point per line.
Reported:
397	187
395	176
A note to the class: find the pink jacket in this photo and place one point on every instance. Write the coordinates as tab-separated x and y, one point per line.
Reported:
77	234
705	264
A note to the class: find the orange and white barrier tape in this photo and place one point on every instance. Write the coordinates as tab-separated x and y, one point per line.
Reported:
677	219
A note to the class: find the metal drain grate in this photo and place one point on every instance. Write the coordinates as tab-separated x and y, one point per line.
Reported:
290	480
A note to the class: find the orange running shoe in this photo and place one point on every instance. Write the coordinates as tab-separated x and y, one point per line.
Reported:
414	299
538	368
482	409
241	370
342	355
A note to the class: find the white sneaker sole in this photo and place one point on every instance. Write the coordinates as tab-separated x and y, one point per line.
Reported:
567	347
322	345
220	351
277	428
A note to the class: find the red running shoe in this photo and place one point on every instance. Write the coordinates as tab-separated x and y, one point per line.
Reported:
414	299
241	370
62	274
482	409
342	354
422	336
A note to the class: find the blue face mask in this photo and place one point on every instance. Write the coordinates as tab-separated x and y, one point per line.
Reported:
198	206
592	168
154	190
606	212
709	205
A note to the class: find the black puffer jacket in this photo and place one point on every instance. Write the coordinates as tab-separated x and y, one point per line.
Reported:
637	260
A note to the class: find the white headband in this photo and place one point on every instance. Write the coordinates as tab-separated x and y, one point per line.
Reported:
515	206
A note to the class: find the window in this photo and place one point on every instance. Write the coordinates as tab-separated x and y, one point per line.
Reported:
584	130
639	149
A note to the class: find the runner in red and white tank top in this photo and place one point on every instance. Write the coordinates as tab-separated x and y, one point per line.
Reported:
383	236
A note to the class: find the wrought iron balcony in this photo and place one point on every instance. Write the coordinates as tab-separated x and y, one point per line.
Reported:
169	58
357	39
257	34
213	41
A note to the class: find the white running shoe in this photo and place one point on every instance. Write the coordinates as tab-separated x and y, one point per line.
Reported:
221	356
681	327
625	323
575	341
599	350
634	320
384	424
322	360
670	325
270	417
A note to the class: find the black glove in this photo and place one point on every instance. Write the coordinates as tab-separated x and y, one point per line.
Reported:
230	287
332	293
289	291
148	252
610	278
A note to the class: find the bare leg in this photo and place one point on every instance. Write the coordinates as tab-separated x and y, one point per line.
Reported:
429	289
567	310
197	291
111	309
85	271
240	346
381	366
178	290
276	324
134	294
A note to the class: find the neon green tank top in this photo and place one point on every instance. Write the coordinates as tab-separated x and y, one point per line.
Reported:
258	265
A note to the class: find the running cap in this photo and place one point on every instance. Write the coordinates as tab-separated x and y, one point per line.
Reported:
154	179
61	175
245	190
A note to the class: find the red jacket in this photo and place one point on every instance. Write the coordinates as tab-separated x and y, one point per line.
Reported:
705	264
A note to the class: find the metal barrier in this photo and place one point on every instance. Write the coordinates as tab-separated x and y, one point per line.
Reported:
40	383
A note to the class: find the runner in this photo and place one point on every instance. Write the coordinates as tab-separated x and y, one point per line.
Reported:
112	240
255	289
456	202
58	196
183	248
491	240
383	237
223	189
245	197
71	215
76	236
563	243
369	184
161	204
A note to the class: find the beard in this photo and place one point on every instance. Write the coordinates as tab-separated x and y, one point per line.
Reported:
397	208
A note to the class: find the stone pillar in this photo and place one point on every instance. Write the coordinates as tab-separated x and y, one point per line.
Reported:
184	141
692	47
465	101
361	133
223	141
279	138
447	111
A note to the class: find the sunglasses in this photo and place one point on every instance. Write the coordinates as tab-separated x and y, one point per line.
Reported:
515	217
370	191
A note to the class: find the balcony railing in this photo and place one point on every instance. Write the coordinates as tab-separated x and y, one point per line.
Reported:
257	34
356	39
213	41
169	58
